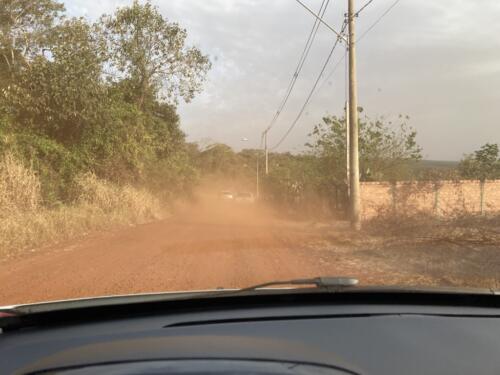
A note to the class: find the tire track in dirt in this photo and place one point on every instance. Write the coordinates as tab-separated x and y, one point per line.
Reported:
186	253
206	249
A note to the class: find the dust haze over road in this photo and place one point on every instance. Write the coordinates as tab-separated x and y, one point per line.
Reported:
214	244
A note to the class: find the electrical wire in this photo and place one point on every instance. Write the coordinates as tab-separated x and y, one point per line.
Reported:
359	38
378	20
294	123
339	35
363	8
392	6
334	69
298	69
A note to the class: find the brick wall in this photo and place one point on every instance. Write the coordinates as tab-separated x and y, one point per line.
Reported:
445	198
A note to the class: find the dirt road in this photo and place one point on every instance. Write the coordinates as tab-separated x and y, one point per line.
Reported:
205	249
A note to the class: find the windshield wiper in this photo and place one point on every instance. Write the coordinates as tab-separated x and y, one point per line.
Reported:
329	283
319	282
15	312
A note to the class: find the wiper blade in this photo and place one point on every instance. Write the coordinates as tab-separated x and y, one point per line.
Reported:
322	283
319	282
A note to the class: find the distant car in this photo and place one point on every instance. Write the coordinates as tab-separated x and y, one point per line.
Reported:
226	195
244	198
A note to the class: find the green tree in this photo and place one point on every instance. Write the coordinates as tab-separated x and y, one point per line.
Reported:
62	94
219	158
152	55
25	26
62	114
483	165
129	144
293	179
385	153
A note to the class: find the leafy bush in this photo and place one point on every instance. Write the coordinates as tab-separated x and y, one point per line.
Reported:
54	164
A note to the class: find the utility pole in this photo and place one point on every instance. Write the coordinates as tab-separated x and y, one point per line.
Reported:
258	182
347	143
266	152
354	196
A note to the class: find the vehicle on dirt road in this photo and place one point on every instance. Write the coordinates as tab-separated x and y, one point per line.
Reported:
334	327
226	195
244	198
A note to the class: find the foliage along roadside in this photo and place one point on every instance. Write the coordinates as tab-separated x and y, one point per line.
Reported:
77	97
99	204
314	182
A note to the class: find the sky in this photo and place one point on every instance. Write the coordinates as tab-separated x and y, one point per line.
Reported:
437	61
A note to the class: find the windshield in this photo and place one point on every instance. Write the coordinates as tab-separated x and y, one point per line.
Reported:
157	146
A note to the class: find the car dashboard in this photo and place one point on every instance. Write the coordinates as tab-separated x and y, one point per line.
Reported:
289	336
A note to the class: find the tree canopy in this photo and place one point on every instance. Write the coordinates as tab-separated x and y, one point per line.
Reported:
77	96
26	27
386	150
482	164
151	54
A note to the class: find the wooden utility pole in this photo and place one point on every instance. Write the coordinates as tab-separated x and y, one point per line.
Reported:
266	152
348	148
257	188
354	196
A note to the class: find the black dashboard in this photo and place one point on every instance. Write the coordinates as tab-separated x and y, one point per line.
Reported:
281	337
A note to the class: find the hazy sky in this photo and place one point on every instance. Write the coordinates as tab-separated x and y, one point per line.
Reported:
437	61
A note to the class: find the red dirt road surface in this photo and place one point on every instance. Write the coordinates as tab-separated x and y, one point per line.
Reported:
224	246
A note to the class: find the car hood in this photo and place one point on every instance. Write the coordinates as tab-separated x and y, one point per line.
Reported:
132	299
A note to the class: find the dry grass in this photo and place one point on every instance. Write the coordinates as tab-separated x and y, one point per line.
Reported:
25	223
19	188
120	204
460	228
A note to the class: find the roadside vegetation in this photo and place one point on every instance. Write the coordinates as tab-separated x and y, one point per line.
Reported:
314	183
25	222
89	133
90	137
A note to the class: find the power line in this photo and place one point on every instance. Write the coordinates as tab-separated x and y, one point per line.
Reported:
378	20
363	8
338	63
314	36
339	35
334	69
311	92
298	69
361	37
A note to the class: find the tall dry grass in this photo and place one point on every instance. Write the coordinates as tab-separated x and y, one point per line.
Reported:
19	188
26	223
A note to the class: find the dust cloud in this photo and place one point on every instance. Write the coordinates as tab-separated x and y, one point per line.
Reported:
212	242
210	206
